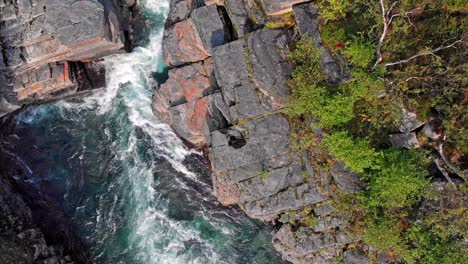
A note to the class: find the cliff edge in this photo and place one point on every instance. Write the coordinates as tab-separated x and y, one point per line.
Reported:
49	52
226	92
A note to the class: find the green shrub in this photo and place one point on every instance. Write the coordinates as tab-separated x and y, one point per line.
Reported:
358	53
359	115
400	181
428	247
334	9
385	234
357	154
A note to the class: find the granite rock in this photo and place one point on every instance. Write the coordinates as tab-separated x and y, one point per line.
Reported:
50	35
192	40
409	122
279	7
225	95
407	140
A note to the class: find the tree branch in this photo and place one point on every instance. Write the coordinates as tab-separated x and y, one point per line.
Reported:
386	24
442	155
429	52
443	171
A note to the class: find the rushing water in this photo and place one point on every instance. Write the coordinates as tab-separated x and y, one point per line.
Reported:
131	189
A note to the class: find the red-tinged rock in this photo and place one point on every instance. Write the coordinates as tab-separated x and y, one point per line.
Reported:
43	39
182	44
226	193
193	39
189	120
185	84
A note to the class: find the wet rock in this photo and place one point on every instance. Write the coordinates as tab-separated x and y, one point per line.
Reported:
89	75
21	241
408	140
307	22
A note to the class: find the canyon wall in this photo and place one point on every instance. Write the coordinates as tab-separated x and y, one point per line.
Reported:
225	94
51	48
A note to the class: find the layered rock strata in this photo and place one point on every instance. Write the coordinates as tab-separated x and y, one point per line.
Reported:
47	46
225	94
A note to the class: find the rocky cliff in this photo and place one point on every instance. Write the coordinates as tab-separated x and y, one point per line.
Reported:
225	94
49	52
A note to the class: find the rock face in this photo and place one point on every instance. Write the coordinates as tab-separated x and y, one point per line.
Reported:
307	23
43	40
278	7
225	94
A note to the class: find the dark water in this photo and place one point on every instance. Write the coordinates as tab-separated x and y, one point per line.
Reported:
127	186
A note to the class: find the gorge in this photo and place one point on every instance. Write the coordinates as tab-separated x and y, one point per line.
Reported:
230	131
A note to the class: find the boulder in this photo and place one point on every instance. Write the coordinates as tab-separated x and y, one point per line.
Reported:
190	103
433	129
407	140
193	120
185	84
409	122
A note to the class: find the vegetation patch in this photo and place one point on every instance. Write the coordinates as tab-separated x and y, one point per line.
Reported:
401	55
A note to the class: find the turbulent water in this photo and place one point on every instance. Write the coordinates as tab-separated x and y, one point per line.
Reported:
128	186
